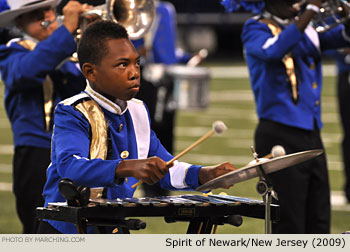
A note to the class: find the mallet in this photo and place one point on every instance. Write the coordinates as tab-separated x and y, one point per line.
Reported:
218	127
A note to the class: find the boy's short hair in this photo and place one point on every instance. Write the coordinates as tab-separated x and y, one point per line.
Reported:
92	45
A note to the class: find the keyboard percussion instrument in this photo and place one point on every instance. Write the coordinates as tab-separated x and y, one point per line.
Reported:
203	212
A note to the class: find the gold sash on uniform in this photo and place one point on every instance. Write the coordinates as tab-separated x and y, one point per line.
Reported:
287	59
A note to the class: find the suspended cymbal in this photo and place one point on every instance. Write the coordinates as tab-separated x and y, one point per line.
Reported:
250	171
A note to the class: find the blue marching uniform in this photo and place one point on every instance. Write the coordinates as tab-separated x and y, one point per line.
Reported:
37	76
24	71
131	138
303	190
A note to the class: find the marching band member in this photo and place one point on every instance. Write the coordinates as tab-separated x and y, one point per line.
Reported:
102	137
283	56
37	75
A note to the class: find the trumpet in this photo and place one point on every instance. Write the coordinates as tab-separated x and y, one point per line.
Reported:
331	14
136	16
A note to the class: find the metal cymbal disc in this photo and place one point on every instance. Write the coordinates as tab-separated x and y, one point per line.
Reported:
250	171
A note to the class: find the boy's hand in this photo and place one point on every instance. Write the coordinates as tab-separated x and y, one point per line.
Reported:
149	170
207	173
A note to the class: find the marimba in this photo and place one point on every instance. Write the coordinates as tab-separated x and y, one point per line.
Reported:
202	212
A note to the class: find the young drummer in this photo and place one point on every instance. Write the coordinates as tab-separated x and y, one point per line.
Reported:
102	137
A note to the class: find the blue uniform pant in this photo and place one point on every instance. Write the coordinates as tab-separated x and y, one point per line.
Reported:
29	177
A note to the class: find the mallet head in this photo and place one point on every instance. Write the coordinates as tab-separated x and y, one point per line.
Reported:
278	151
219	127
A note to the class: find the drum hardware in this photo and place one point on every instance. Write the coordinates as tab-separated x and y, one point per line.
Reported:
265	189
218	127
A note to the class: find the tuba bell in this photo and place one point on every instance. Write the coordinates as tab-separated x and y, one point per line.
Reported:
135	15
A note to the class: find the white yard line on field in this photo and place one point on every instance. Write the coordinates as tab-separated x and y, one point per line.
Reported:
226	72
6	187
6	149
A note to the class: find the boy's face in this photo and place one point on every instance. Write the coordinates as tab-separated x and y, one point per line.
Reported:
117	76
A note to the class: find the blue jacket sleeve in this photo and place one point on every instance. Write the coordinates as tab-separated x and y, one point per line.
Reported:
255	36
23	69
71	147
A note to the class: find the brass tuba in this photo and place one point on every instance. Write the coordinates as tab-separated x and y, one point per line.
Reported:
135	15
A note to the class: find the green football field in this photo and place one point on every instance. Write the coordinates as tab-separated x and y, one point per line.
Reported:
230	100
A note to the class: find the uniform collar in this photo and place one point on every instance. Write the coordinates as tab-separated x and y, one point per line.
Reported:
28	37
118	107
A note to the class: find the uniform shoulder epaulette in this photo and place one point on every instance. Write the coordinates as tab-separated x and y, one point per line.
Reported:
76	99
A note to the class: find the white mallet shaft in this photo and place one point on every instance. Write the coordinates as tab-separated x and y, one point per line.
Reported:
218	127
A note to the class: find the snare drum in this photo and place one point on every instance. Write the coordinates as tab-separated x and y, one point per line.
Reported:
191	86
